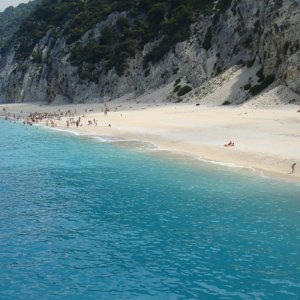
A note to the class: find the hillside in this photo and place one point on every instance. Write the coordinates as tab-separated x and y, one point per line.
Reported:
85	50
12	18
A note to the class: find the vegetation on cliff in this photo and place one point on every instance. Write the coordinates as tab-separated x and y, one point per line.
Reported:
139	22
12	18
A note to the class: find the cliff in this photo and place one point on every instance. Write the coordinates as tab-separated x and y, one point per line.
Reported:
255	44
11	19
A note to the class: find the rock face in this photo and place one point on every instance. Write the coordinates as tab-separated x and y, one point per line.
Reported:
261	35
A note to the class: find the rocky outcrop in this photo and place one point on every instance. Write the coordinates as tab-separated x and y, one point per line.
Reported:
260	35
279	46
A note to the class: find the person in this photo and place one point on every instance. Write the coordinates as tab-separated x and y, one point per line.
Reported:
230	144
293	168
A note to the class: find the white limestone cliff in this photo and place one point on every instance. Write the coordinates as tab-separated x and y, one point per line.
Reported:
261	33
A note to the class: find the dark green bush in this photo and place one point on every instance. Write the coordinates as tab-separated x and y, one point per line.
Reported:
219	70
177	88
36	57
184	90
175	71
226	102
207	40
123	23
177	81
260	74
268	80
247	86
250	63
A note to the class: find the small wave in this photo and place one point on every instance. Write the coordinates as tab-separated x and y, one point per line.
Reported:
226	164
285	282
63	130
113	139
214	290
108	139
215	162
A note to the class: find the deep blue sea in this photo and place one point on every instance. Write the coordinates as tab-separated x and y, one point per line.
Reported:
83	219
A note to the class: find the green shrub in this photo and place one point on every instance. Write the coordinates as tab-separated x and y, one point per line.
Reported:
247	86
268	80
226	102
77	53
158	52
250	63
175	71
207	40
247	42
219	70
123	23
36	57
177	81
222	5
177	88
260	74
156	13
184	90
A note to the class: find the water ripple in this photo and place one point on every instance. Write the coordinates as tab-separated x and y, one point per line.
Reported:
87	220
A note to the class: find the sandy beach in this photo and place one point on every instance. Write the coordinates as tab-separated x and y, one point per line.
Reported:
266	139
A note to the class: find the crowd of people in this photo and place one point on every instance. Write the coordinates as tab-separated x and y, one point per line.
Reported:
50	119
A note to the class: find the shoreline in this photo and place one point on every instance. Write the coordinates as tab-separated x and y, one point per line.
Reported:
199	133
263	173
176	155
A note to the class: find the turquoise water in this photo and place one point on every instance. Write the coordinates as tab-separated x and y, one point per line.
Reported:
81	219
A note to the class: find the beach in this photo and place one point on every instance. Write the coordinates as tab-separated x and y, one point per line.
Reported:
266	140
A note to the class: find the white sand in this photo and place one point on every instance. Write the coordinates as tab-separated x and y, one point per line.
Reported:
267	140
